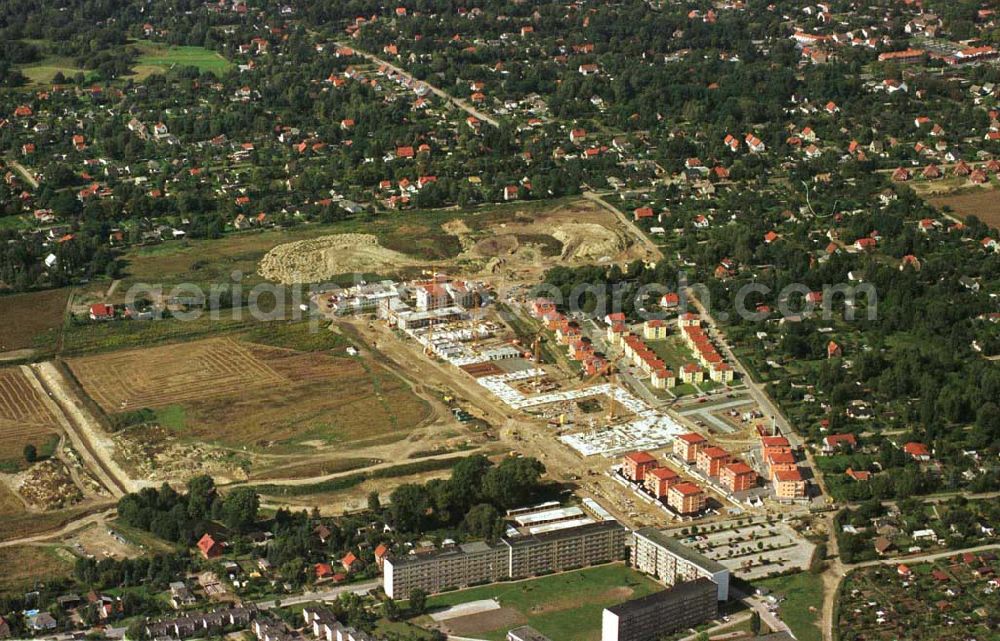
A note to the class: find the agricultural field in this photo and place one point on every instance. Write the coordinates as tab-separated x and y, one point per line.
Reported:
28	318
551	604
236	393
24	418
25	564
953	598
978	201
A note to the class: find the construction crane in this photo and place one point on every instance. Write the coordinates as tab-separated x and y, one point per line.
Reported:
429	349
537	348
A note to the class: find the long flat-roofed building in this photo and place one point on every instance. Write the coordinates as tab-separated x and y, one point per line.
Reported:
517	557
671	562
455	567
652	617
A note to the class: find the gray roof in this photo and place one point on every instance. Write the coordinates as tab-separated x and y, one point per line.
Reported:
678	591
677	548
565	533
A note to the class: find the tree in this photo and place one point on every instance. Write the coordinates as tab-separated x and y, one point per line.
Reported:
374	503
418	602
201	495
239	509
483	521
30	453
408	506
390	609
755	623
513	482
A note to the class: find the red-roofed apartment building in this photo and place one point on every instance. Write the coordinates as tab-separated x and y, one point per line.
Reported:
659	480
687	446
788	484
738	476
686	498
636	464
711	459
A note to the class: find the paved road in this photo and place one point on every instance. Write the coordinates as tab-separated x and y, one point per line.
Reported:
323	595
757	392
440	93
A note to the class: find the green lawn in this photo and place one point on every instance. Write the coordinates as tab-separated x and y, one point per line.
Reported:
801	592
562	603
158	58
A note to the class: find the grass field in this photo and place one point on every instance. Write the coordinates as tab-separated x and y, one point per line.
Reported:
803	594
554	605
24	418
29	319
235	392
159	58
24	565
42	72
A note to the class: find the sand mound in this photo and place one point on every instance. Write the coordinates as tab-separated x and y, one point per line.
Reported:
499	245
319	259
588	241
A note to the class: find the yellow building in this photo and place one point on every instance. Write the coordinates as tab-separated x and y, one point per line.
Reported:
692	374
789	485
722	373
654	330
662	379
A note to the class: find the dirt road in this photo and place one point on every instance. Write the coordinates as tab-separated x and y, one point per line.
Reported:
74	526
83	430
27	175
458	102
653	252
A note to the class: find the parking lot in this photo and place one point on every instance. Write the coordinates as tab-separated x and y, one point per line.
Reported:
754	549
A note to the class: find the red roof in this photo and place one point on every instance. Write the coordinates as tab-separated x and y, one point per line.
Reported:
323	570
640	458
834	440
715	452
916	450
691	438
102	310
739	468
209	547
687	489
662	473
788	476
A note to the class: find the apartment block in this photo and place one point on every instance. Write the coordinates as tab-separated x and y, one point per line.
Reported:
652	617
659	480
711	459
454	567
686	498
514	557
671	562
687	446
789	484
635	465
738	476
